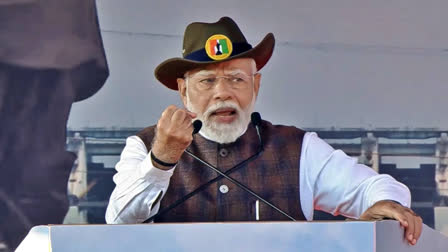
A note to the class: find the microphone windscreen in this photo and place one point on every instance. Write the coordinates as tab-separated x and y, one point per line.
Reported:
255	118
197	125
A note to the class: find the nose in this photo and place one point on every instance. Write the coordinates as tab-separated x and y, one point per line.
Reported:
222	90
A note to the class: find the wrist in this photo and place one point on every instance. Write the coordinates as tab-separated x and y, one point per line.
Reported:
167	153
161	162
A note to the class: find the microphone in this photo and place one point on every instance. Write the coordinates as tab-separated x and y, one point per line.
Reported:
255	118
256	121
197	125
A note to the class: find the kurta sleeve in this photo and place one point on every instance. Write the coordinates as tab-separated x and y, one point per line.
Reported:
333	182
139	185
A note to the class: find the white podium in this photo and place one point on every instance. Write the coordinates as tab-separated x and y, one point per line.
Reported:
347	236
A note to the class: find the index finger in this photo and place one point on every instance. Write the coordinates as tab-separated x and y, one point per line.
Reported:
166	115
186	115
169	111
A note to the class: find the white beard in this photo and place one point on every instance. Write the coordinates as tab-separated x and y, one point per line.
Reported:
223	132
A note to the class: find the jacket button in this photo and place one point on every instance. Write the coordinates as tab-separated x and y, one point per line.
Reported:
223	189
223	152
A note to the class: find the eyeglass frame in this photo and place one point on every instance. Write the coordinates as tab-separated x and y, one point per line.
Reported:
216	80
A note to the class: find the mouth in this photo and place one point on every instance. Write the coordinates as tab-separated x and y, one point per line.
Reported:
224	112
224	115
442	181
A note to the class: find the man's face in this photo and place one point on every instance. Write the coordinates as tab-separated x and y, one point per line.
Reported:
223	95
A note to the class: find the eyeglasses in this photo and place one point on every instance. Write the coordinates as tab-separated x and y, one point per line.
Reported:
236	81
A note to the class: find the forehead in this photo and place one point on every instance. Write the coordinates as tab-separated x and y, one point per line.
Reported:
244	64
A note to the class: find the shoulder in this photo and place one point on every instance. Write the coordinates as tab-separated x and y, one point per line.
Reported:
281	136
312	141
282	130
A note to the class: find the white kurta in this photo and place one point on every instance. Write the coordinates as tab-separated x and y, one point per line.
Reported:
330	181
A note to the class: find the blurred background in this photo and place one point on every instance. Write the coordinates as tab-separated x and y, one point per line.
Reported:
370	77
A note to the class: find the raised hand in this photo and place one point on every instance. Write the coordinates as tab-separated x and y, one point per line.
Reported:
173	135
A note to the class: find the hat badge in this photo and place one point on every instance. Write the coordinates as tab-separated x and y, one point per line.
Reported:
218	47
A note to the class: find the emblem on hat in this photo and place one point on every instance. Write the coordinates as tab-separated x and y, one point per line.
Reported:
218	47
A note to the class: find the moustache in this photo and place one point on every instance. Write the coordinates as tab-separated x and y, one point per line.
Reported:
229	107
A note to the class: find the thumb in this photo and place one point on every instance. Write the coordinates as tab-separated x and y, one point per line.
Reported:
191	114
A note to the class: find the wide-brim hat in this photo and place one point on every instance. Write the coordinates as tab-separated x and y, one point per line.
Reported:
209	43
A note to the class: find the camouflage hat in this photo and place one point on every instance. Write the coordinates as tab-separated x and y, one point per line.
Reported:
208	43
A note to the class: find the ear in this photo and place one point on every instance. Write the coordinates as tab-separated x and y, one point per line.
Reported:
182	88
257	80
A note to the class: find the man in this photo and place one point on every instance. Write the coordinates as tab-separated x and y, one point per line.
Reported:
218	82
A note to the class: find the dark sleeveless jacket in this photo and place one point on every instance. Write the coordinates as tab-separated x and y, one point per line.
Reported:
274	175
